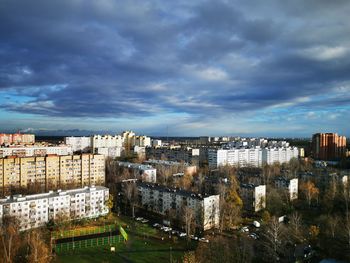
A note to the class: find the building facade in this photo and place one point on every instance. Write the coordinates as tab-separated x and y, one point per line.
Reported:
328	146
16	138
288	185
279	154
29	151
34	211
141	171
254	197
82	144
160	199
187	155
51	172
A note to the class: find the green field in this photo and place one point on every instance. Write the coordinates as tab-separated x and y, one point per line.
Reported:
145	244
137	249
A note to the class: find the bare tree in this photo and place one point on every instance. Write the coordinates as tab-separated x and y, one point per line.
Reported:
188	220
39	251
296	225
130	192
332	222
273	239
10	239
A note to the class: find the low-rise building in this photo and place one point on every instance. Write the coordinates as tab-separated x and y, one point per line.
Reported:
35	150
289	185
141	171
34	211
253	196
160	199
188	155
175	167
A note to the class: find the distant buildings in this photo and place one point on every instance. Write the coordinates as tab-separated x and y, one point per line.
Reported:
176	167
160	199
253	196
34	150
82	144
34	211
328	146
16	138
141	171
51	172
250	156
177	154
109	145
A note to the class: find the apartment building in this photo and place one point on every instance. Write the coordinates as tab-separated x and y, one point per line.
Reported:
279	154
328	146
16	138
106	141
253	196
188	155
160	199
34	150
34	211
111	152
141	171
83	144
175	167
52	171
235	157
288	185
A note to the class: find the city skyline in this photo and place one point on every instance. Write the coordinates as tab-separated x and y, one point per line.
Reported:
194	68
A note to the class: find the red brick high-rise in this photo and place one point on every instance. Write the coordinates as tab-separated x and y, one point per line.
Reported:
328	146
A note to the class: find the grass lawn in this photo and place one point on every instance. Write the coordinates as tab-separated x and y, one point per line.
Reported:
144	245
137	249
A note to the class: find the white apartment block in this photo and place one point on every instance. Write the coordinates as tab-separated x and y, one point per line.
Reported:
79	143
156	143
112	152
279	154
289	185
35	151
254	197
176	167
141	171
160	199
34	211
106	141
235	157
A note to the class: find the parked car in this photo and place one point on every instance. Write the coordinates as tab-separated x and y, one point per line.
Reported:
182	234
156	225
144	221
256	224
202	239
194	237
244	229
139	218
254	236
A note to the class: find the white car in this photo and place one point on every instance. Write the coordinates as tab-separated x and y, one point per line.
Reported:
144	221
244	229
182	234
156	225
202	239
194	237
139	218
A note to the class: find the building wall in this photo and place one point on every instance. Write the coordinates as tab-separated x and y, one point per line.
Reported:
51	171
205	209
36	210
17	138
328	146
35	151
79	143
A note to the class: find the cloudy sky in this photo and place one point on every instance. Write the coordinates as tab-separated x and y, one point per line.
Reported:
259	68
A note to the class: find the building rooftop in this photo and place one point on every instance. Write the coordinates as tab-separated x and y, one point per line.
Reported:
178	191
163	162
136	165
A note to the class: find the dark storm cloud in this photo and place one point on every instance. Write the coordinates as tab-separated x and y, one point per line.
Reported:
137	58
